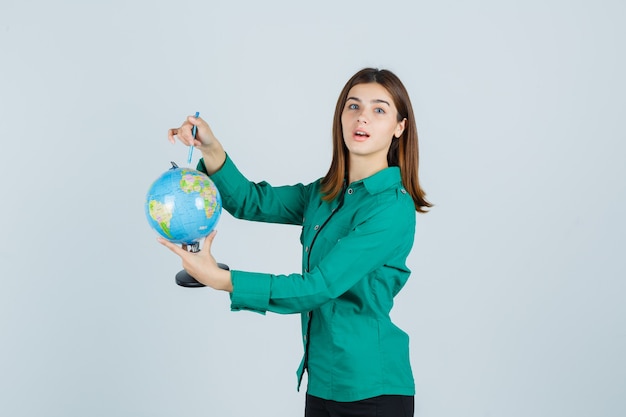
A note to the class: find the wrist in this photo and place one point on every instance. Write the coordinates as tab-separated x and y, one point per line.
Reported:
214	158
226	282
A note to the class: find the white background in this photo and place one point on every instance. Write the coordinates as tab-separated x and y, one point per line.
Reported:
516	302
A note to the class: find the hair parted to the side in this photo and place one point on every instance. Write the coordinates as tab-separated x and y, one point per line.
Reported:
403	152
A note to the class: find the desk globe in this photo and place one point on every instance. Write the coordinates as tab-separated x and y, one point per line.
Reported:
183	206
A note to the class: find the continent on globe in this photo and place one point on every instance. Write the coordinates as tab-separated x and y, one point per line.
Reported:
162	214
202	185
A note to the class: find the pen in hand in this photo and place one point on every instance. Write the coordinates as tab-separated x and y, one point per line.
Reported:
193	133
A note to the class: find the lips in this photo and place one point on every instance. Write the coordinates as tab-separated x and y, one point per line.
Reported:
360	134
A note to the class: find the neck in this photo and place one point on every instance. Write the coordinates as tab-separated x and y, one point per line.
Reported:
362	167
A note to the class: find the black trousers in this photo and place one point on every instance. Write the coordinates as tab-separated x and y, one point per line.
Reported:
382	406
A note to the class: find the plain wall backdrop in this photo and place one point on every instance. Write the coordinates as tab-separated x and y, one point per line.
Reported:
516	305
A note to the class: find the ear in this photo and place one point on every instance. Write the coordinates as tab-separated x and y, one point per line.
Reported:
400	128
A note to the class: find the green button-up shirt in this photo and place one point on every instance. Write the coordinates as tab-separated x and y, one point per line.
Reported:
353	264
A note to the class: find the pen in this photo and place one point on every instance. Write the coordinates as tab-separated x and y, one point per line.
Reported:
193	132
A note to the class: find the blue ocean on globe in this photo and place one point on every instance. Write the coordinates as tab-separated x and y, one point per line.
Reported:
183	205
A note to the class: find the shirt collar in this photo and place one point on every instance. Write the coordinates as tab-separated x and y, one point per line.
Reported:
382	180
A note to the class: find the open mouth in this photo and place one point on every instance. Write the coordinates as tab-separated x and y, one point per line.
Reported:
360	134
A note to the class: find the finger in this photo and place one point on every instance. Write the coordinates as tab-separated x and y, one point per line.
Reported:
183	133
203	127
170	135
179	133
187	135
194	120
174	248
208	242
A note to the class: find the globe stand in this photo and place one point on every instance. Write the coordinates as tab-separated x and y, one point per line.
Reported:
184	279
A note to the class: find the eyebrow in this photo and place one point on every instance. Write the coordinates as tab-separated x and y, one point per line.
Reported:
373	101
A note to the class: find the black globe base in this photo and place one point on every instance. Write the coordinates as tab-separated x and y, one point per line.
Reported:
185	280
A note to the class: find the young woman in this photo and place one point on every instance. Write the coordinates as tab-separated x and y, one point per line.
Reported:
358	225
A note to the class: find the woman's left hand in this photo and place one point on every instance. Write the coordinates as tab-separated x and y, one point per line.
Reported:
201	265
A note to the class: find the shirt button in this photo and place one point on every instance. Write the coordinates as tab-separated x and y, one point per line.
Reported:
305	338
317	226
402	190
306	249
350	190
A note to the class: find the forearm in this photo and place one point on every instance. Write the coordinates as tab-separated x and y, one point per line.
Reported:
219	279
214	157
283	294
256	201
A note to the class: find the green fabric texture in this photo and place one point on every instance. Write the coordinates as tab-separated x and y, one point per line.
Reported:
353	264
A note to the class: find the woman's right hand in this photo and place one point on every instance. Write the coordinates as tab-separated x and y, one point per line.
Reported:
204	136
212	151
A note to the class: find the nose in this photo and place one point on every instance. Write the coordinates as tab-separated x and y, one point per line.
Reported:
361	119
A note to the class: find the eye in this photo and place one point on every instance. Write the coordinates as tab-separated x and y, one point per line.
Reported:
353	106
379	110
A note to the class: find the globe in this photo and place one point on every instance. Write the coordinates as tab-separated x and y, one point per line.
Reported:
183	205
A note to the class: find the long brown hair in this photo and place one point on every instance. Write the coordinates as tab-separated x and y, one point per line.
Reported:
403	152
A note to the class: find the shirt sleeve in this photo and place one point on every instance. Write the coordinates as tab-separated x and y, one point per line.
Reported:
258	201
385	237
